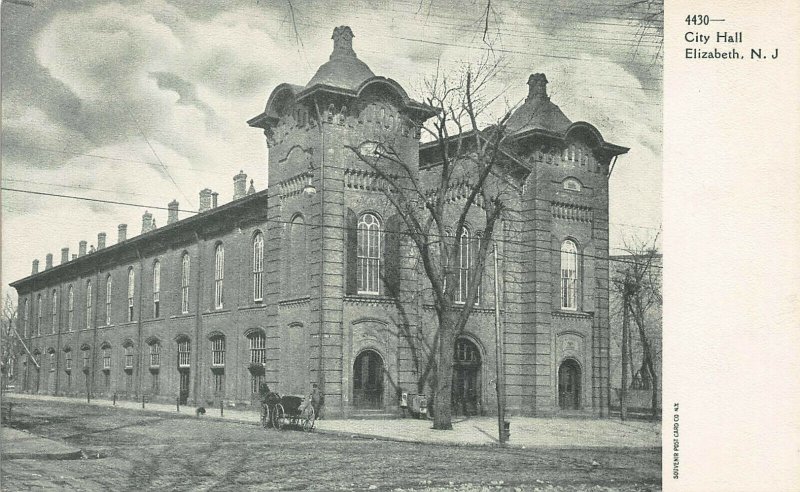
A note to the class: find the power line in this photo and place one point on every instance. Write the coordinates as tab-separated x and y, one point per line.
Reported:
306	224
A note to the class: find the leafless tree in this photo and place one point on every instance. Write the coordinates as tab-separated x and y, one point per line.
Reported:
637	283
434	205
8	322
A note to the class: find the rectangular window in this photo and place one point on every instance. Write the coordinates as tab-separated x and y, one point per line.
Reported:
85	358
52	361
185	283
128	357
258	349
106	358
218	352
219	383
369	254
183	353
68	362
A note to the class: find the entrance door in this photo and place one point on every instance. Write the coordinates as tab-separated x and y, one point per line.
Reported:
466	378
184	388
368	380
569	385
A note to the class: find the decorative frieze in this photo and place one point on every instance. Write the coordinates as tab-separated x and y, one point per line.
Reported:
569	211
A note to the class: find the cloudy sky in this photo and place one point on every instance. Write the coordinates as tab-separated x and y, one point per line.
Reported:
146	102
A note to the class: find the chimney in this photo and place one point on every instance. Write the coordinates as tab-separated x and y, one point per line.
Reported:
239	185
48	261
252	188
537	87
74	256
147	222
342	42
91	249
122	233
214	197
64	255
205	199
172	212
101	240
81	248
35	267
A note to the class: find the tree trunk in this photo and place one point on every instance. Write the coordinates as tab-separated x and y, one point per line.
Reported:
623	403
442	405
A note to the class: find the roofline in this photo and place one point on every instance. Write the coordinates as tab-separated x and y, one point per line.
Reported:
135	241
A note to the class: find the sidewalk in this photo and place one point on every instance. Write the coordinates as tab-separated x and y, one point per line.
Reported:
526	432
16	445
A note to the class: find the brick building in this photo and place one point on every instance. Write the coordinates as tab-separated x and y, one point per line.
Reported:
301	283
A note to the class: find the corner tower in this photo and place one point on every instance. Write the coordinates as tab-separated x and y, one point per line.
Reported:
315	184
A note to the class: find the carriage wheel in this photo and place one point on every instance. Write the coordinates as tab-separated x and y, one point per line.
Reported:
265	416
308	418
278	417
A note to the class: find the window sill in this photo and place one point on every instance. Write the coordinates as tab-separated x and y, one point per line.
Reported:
369	299
571	313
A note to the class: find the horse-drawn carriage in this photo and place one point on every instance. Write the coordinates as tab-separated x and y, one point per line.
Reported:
290	410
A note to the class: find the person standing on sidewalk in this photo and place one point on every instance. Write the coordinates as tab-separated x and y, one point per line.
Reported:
316	400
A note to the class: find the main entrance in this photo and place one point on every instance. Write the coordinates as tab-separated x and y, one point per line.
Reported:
569	385
466	378
368	380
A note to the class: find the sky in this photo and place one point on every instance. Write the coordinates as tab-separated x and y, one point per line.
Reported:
146	102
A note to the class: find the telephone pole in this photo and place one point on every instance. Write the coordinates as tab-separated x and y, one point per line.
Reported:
500	379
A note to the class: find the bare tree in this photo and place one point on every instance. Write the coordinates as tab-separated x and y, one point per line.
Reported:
434	205
638	284
9	341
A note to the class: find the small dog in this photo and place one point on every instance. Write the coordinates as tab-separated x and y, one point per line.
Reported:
200	411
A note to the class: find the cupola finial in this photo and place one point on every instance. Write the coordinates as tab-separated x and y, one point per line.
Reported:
342	42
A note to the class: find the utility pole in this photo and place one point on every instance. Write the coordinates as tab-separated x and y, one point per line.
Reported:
500	379
623	404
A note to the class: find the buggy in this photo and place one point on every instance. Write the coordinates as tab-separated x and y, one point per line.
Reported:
292	410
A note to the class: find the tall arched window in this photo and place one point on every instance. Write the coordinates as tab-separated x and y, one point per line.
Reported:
89	309
131	292
219	276
25	312
185	264
464	262
155	354
369	254
128	347
184	352
38	315
108	299
54	312
156	288
70	307
569	275
258	267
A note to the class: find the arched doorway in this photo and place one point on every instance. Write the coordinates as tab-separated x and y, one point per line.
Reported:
569	385
368	380
466	394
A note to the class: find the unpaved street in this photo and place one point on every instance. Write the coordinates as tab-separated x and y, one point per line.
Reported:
140	451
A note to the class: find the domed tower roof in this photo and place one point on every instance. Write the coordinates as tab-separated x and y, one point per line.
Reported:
344	70
538	112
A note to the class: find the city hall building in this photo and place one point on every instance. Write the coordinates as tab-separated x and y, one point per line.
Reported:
300	283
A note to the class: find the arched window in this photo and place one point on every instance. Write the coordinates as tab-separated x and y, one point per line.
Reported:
218	364
569	275
258	267
67	359
185	264
155	354
184	352
218	351
258	348
156	288
106	348
25	312
85	354
219	275
38	315
54	312
108	299
89	309
128	355
131	291
70	307
369	254
464	259
51	355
